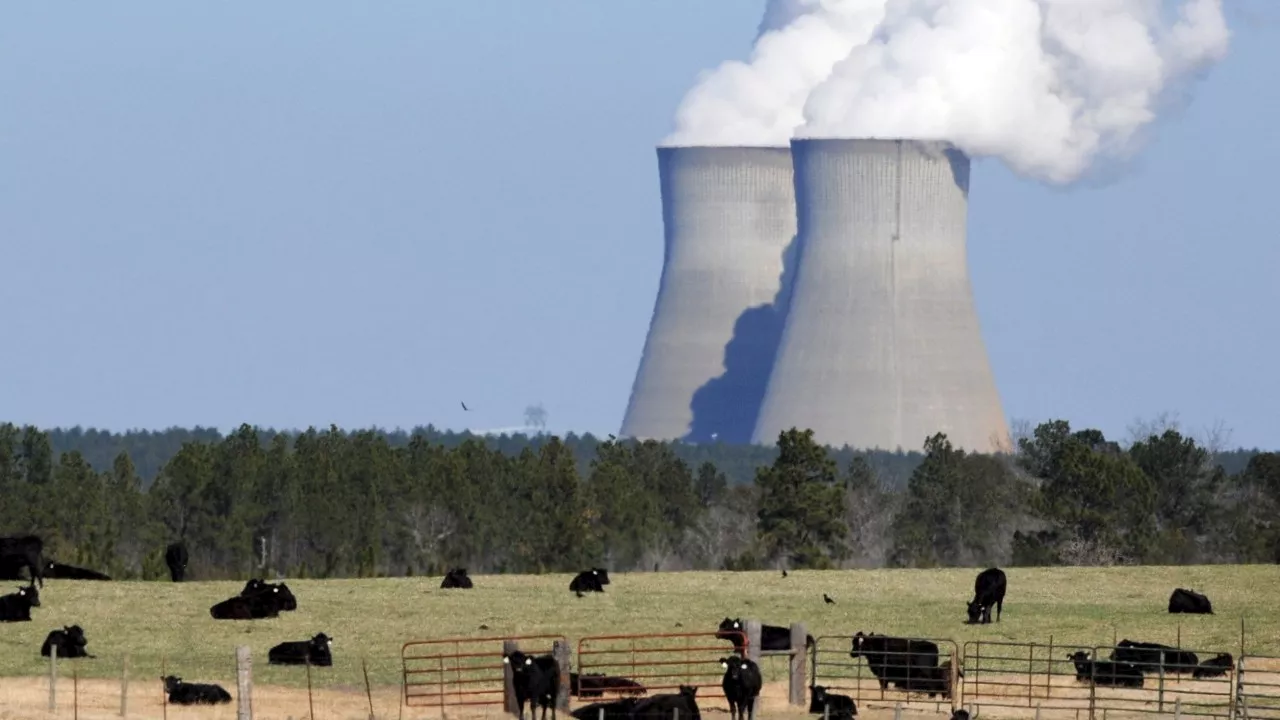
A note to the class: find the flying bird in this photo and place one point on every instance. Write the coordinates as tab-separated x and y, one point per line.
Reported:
464	407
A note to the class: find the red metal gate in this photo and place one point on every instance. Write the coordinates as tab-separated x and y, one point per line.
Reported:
656	662
462	671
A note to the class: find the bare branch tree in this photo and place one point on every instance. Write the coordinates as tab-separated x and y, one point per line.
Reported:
1142	429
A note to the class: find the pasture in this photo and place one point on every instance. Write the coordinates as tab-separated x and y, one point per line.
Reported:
162	624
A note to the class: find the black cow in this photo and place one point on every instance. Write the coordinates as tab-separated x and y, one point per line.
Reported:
1150	656
663	707
1189	601
960	714
592	580
252	607
741	683
1216	666
16	607
536	681
1106	672
988	590
70	642
596	684
27	551
316	651
932	680
772	637
184	693
896	659
59	571
619	709
11	567
284	597
831	705
175	556
456	578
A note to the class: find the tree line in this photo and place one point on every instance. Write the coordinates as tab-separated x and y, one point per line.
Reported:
369	503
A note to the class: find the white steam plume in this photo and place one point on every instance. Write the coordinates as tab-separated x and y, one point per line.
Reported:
1046	85
760	102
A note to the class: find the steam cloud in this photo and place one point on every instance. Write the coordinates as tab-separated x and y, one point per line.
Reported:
1046	85
760	102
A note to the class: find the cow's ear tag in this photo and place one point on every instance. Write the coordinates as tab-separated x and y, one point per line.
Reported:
506	660
744	666
528	661
724	665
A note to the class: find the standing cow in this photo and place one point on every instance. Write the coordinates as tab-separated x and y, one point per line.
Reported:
25	551
988	590
741	684
175	556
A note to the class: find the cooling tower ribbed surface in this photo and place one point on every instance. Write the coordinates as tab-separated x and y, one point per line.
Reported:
882	347
729	216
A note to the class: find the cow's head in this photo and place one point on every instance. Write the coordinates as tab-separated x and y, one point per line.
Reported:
31	594
322	641
859	639
171	682
818	699
75	634
975	612
602	574
734	667
519	662
690	692
1079	656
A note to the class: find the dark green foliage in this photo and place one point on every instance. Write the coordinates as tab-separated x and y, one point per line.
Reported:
325	503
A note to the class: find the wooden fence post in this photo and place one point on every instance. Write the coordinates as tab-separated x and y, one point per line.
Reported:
560	651
53	678
508	680
124	688
799	654
244	684
755	631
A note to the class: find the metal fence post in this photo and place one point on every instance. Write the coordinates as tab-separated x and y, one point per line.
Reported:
53	677
124	688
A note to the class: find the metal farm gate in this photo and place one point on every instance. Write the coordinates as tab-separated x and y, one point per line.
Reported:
1042	680
1258	688
837	671
452	672
638	664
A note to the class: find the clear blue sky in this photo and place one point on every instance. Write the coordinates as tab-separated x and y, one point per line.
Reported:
300	213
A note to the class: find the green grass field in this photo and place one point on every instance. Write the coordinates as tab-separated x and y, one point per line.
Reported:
157	622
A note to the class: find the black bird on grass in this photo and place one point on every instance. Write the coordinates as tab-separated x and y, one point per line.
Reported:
827	599
784	572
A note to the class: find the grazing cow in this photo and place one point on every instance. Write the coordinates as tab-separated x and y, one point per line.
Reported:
175	556
1189	601
596	684
592	580
663	707
1150	656
185	693
536	681
27	551
283	595
772	637
16	607
896	659
253	607
1106	672
831	705
988	590
620	709
316	651
70	572
741	684
1216	666
456	578
69	641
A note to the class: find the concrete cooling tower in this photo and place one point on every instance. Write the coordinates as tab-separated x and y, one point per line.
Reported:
882	348
729	217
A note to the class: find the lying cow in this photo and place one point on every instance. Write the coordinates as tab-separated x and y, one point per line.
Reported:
1216	666
185	693
592	580
1189	601
456	579
666	706
1149	657
596	684
284	597
70	572
16	607
316	651
252	607
831	705
69	641
616	710
1106	672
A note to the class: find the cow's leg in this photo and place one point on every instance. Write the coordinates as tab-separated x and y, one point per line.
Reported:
999	608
